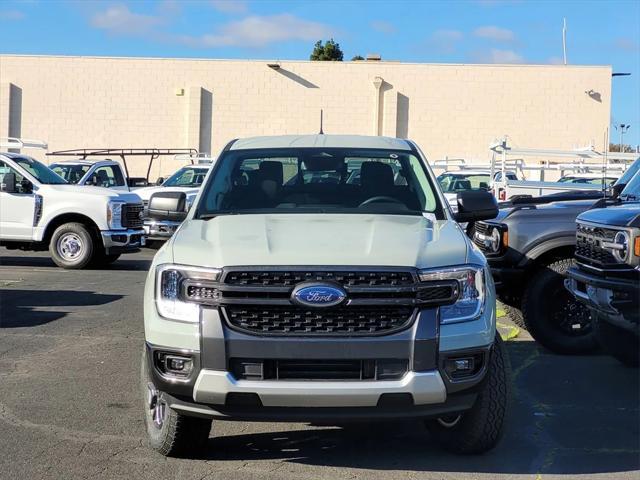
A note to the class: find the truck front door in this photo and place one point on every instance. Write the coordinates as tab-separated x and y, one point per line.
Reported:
16	209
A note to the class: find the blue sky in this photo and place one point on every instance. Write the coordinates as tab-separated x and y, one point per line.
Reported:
482	31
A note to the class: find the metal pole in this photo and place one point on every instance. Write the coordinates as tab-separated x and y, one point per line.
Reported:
564	40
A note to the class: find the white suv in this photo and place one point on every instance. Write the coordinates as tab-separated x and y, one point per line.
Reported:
294	292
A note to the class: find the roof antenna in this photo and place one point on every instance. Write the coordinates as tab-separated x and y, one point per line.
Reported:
321	131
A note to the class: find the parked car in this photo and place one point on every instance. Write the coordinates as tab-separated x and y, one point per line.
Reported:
606	277
455	181
530	246
187	180
323	301
80	226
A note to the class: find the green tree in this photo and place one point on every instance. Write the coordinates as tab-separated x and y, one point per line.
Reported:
357	57
330	51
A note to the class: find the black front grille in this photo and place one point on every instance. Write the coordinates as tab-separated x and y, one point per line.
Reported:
318	369
345	320
286	278
481	228
589	247
132	215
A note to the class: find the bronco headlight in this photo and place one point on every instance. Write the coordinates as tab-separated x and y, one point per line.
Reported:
620	247
114	214
170	302
470	302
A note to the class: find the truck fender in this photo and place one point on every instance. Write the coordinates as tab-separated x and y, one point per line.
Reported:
546	246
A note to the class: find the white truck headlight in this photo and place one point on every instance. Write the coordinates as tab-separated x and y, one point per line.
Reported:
471	299
114	214
169	299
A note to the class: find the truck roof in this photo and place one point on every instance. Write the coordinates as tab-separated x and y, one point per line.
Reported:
327	141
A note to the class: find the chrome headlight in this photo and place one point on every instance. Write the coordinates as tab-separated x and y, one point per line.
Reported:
620	247
170	302
472	288
114	214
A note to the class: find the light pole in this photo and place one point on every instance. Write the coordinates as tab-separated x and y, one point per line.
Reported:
623	127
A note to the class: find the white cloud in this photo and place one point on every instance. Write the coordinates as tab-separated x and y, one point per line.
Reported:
445	41
230	6
118	19
11	15
626	44
258	31
382	26
497	34
495	55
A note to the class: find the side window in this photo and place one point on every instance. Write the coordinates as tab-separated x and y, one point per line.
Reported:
4	169
107	177
498	176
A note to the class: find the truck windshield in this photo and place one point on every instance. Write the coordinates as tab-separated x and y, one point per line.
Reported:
318	180
40	172
451	182
71	173
632	191
186	177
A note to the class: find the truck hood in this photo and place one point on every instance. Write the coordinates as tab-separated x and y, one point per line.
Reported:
107	193
312	239
624	215
145	192
543	210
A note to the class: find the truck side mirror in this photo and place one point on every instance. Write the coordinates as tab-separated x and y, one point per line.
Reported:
616	189
26	186
475	205
160	181
8	183
168	206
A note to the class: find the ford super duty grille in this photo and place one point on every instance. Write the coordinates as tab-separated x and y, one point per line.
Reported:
293	320
132	215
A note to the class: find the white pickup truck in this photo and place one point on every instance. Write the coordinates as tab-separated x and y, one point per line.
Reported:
98	173
80	226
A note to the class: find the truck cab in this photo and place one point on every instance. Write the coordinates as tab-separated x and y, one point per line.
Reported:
80	226
606	277
98	173
291	293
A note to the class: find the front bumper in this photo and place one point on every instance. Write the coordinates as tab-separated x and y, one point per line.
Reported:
614	300
160	229
122	241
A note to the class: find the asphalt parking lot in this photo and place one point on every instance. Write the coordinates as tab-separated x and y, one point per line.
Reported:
70	344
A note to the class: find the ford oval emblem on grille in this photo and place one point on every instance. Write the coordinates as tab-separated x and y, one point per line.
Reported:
318	295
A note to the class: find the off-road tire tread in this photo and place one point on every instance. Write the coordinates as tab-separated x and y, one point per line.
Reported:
182	436
552	340
480	429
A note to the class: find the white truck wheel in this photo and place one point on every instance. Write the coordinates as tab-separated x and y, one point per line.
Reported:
72	246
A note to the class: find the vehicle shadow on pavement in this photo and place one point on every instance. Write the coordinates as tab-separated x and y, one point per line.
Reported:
46	262
570	415
29	308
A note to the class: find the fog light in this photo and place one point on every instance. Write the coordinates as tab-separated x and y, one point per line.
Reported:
174	365
460	367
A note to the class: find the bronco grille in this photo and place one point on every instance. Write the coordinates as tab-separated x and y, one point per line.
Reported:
482	228
349	320
589	248
132	215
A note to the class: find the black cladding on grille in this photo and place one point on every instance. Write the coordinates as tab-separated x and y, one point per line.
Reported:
589	245
131	216
297	320
347	278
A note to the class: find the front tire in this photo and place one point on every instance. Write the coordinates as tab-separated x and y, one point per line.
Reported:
72	246
479	429
169	432
553	316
